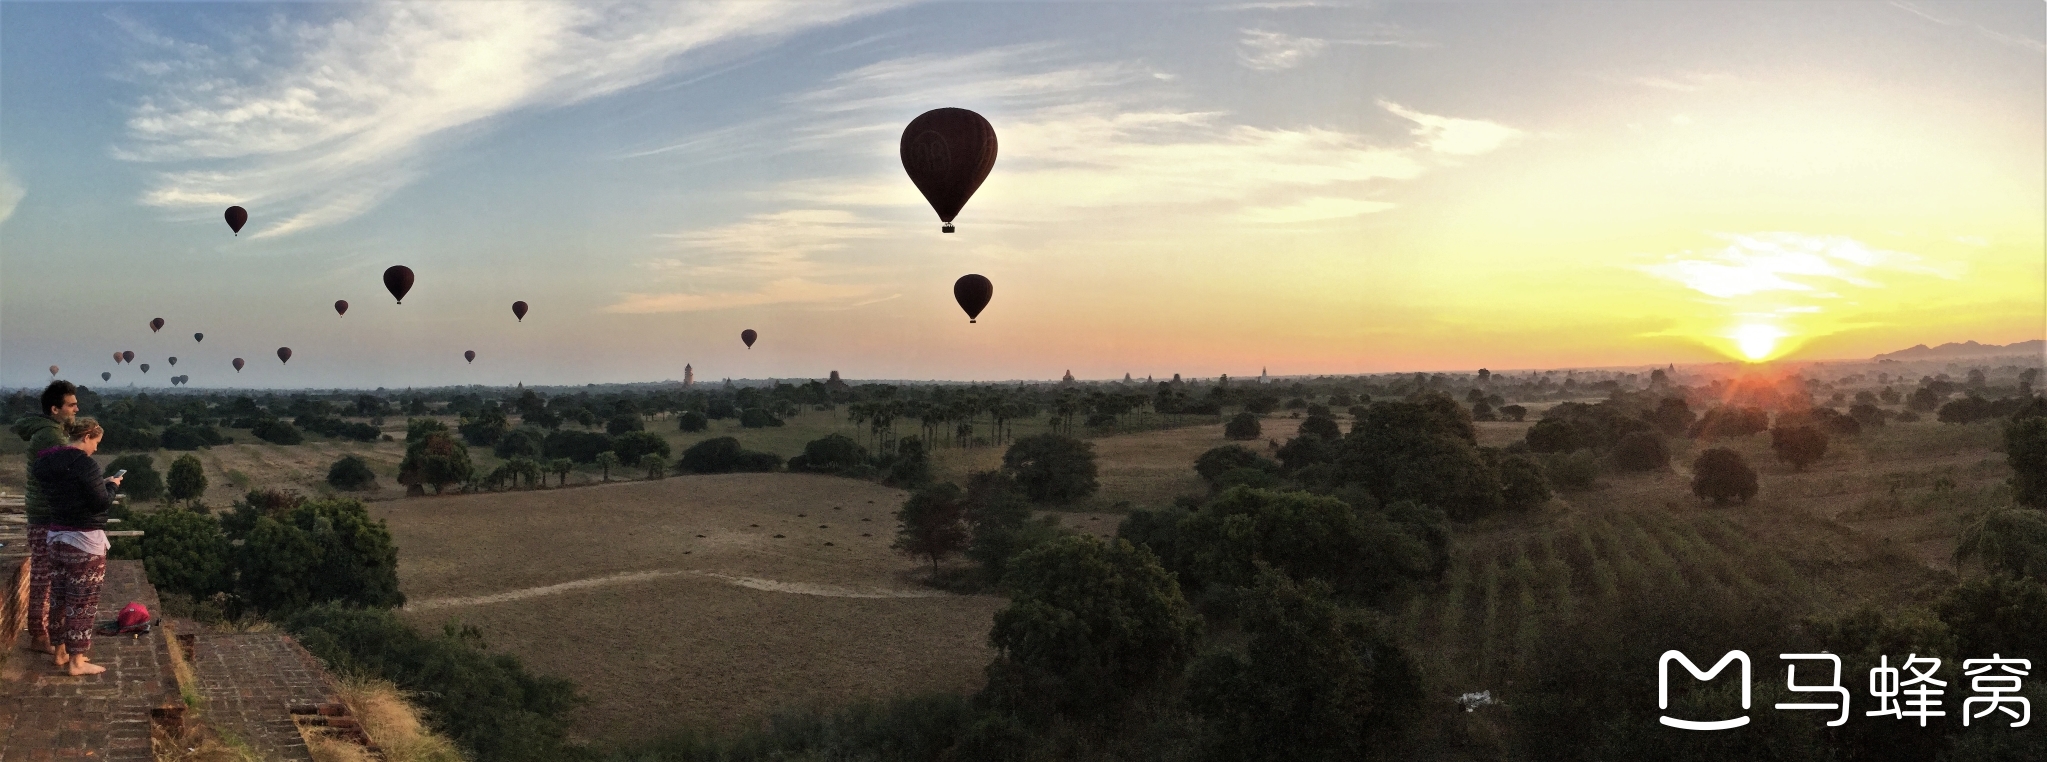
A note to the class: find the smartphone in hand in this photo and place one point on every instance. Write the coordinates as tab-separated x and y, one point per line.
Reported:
119	474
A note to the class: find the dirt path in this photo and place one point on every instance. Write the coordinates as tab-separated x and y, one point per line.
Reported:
754	583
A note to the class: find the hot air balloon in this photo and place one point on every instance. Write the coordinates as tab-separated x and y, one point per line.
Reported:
948	152
145	367
198	337
238	365
341	306
236	218
117	358
174	361
398	280
748	336
972	292
469	355
519	311
127	357
105	376
53	371
284	354
156	325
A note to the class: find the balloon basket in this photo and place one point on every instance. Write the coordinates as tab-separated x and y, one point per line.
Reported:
947	228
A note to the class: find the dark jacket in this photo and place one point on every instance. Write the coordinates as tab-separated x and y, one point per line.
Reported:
41	432
77	491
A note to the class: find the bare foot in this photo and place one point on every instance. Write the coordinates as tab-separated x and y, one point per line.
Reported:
42	645
80	667
62	657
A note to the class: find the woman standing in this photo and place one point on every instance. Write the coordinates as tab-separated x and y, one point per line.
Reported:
79	496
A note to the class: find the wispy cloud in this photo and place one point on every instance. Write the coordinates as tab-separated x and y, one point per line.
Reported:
774	258
1809	266
1267	50
1459	137
2017	41
779	291
1684	82
316	123
11	193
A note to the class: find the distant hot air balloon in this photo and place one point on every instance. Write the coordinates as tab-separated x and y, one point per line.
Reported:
174	361
53	371
341	306
284	354
127	357
156	325
198	337
117	358
748	336
238	365
236	218
145	367
105	376
469	355
398	280
948	152
972	292
519	311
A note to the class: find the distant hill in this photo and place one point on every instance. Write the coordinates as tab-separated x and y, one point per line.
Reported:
1967	349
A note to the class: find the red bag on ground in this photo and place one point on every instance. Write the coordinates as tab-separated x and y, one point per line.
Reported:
133	620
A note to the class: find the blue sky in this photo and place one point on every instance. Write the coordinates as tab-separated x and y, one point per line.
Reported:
1201	189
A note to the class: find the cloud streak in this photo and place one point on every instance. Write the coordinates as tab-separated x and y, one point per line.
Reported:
319	122
1809	266
11	193
1266	50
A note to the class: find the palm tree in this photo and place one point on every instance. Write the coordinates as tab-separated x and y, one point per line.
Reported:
655	465
561	468
607	460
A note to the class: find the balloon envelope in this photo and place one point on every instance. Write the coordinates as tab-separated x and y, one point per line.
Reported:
948	152
398	280
748	336
238	365
145	367
198	337
127	357
53	370
105	376
284	354
341	306
236	218
972	292
156	325
519	311
174	361
469	355
117	357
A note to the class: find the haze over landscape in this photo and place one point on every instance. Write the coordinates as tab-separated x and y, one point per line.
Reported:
1317	188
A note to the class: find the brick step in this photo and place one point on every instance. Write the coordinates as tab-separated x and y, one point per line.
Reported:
47	714
252	683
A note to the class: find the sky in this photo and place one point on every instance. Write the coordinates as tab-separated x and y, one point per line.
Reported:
1307	187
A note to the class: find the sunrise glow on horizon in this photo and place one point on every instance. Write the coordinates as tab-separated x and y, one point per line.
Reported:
1312	188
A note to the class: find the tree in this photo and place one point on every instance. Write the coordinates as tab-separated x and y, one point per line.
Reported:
561	468
522	442
579	446
1523	483
1798	445
2007	540
1221	460
1364	555
723	455
757	418
187	479
832	454
316	551
656	465
632	447
624	423
351	473
1997	614
1052	467
1641	451
1312	680
607	460
1089	625
183	551
486	427
1721	475
1242	426
437	460
2025	448
417	429
933	523
1513	413
692	421
1552	435
143	482
1322	426
1407	451
1922	400
276	431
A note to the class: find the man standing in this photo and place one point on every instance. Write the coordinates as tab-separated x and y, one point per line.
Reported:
43	432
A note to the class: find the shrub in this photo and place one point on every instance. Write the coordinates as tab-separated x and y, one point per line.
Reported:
1322	426
1220	460
1522	483
183	551
2025	448
934	523
833	454
1242	426
180	436
1729	421
1311	680
1089	626
655	464
1552	435
351	473
314	552
487	703
1720	474
143	482
692	421
522	442
1798	445
1997	614
187	479
1052	467
1574	470
634	446
276	431
579	446
1641	451
2008	541
624	423
1513	413
723	455
1362	554
757	418
911	466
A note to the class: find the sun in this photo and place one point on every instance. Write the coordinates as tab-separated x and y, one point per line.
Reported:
1756	341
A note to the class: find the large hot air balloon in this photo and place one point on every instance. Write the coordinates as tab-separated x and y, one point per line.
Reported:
174	361
948	152
145	367
284	354
106	376
127	357
341	306
519	311
53	371
238	365
156	325
398	280
198	337
748	336
236	218
972	292
469	355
